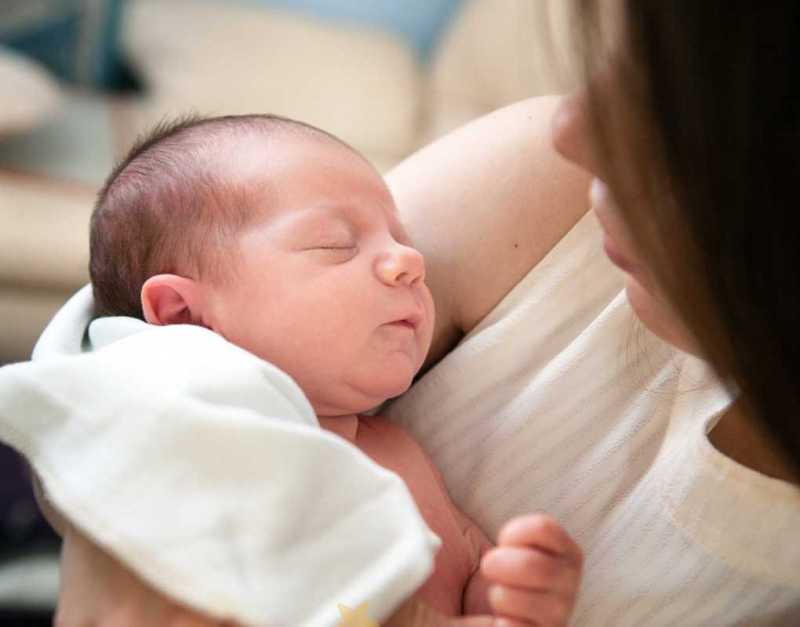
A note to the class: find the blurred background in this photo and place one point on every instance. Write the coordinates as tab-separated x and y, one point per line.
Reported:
80	79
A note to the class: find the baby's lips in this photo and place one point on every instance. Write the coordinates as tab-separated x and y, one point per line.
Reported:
413	319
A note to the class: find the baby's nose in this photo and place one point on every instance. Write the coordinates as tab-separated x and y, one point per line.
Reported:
402	265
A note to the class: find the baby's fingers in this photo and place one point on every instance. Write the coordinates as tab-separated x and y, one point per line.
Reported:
525	607
530	568
542	532
536	568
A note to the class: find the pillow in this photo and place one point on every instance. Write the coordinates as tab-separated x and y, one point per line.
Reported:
419	22
75	39
28	95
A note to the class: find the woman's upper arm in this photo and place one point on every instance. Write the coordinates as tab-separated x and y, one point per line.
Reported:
485	204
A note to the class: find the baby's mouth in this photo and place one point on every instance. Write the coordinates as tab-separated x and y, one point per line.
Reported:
411	321
404	323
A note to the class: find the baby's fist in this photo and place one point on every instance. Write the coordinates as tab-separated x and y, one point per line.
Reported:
535	570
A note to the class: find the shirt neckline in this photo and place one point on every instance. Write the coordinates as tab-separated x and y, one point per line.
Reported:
745	518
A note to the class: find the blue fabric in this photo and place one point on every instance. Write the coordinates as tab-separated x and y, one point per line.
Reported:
419	22
76	39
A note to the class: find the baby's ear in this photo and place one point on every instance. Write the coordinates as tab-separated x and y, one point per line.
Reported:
171	299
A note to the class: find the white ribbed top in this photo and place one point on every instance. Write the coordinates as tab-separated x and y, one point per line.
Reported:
560	401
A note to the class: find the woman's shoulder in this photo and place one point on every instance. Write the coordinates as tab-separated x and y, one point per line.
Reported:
485	204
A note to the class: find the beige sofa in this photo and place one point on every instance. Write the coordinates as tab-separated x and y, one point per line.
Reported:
214	58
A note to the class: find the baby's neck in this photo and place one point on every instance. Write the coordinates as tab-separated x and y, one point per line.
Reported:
344	426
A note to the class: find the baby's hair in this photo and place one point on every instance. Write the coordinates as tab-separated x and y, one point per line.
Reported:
166	209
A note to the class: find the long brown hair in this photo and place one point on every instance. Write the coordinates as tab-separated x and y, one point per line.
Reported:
698	119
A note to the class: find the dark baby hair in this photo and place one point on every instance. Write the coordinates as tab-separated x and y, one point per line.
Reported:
165	208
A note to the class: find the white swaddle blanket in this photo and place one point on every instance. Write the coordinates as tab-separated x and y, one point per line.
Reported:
203	468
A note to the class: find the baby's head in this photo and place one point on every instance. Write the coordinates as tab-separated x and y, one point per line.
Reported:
277	236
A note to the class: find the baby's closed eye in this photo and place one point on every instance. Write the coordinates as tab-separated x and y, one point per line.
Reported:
335	246
338	240
334	251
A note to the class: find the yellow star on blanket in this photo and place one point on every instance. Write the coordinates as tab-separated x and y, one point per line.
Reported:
355	617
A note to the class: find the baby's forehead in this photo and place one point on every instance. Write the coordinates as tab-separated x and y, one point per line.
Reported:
270	145
297	170
259	157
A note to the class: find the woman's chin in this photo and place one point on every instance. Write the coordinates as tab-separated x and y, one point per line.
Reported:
657	316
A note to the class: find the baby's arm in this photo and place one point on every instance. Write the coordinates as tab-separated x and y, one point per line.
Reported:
532	574
476	593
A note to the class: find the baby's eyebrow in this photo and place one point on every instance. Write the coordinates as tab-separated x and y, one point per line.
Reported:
328	212
349	214
313	218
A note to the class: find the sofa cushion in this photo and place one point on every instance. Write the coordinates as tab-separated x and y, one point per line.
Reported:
361	84
77	144
498	52
45	244
75	39
419	22
24	313
28	95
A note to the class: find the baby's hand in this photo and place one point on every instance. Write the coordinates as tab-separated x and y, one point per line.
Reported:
535	570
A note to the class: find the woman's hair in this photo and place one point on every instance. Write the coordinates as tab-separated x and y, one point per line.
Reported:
695	108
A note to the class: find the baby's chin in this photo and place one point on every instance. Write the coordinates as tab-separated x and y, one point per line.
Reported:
358	400
394	385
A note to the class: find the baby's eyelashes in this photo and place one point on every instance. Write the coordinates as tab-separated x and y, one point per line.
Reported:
335	247
336	252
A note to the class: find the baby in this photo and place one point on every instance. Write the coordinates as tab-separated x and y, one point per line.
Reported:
285	241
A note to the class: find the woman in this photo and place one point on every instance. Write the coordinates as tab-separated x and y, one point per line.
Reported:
687	511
